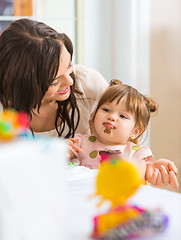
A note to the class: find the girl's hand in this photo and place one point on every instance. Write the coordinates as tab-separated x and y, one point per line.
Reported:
162	173
73	147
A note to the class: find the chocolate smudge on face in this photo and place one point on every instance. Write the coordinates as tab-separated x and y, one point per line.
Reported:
107	130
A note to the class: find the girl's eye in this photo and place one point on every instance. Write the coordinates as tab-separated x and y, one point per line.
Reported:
105	109
122	116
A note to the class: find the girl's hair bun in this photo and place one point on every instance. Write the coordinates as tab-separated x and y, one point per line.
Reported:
153	106
115	82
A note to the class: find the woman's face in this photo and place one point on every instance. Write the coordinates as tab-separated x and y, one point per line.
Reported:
60	87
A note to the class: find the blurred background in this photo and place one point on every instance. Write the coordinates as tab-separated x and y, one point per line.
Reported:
136	41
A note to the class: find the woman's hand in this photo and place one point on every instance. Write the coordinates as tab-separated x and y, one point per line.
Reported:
162	173
73	147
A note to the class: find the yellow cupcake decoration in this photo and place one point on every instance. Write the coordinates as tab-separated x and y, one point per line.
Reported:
117	180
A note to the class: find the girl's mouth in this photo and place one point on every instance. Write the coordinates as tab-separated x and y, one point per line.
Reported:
108	125
67	89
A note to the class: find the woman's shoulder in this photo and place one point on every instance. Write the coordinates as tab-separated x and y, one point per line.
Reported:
92	85
85	71
89	81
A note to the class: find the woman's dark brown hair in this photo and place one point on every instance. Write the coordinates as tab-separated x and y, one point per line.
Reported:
29	62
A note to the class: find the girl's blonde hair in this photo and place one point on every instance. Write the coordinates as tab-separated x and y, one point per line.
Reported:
139	105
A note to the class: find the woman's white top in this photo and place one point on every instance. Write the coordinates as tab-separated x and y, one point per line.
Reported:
92	84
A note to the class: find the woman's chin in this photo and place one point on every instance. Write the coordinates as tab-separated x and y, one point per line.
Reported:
63	97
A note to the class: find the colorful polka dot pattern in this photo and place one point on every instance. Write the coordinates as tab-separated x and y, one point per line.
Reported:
136	148
92	138
93	154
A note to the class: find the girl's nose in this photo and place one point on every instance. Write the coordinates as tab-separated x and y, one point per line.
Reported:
112	117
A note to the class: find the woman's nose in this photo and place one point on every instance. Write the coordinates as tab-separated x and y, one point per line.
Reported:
68	80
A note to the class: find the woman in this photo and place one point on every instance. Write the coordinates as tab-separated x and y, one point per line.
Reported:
37	76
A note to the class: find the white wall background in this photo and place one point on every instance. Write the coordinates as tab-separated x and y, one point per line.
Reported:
116	39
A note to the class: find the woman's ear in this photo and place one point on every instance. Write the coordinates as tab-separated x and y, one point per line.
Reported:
136	132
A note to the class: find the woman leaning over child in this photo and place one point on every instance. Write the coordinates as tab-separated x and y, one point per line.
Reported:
120	119
37	76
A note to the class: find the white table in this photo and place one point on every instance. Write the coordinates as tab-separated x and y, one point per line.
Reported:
35	204
81	184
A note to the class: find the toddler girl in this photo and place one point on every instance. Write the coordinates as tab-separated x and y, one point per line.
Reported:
120	119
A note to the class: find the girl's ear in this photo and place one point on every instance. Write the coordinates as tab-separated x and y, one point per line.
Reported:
136	132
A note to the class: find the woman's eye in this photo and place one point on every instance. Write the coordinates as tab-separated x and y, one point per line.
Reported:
70	64
54	84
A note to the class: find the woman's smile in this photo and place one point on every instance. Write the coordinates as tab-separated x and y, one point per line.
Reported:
64	91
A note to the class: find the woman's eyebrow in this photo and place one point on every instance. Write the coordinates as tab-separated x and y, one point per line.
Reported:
57	78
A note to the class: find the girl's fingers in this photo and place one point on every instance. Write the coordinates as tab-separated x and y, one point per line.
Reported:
164	176
151	174
159	181
155	176
72	142
76	148
173	180
149	171
172	167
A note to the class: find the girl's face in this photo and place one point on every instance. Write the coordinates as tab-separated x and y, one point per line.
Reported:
60	87
114	125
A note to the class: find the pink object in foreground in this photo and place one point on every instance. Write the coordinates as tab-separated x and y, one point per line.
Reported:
13	124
